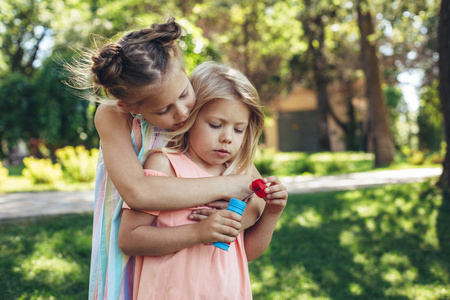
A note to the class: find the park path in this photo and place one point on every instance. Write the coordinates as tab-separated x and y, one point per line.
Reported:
33	204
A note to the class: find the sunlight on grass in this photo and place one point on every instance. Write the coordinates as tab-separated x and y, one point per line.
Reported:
355	289
309	218
49	270
368	244
391	242
16	184
46	264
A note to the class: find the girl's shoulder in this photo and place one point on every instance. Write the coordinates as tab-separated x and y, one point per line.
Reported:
110	117
160	162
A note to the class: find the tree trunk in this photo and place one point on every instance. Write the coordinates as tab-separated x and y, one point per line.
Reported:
379	120
444	82
315	32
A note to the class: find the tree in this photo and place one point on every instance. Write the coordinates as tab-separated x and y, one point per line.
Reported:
379	122
26	27
17	99
444	82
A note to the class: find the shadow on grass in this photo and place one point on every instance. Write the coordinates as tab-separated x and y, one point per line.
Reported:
384	243
45	258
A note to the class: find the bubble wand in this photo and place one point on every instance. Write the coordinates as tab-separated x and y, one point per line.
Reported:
238	206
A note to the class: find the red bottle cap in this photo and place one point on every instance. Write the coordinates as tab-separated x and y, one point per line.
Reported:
258	187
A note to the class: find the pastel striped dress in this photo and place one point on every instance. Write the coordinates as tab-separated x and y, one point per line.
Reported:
112	272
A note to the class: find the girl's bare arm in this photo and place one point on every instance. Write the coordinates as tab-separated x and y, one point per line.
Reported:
138	237
258	237
151	193
251	214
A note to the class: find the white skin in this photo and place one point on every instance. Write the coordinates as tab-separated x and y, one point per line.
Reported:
167	109
214	139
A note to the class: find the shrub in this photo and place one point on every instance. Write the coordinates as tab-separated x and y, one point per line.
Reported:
264	161
3	173
417	158
78	163
292	163
41	170
325	163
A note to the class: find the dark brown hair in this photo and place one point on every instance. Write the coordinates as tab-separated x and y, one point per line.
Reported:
138	59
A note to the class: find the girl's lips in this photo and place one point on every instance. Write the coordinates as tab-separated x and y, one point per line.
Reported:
179	125
222	153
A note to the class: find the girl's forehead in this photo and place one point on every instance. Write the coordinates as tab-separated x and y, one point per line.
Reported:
165	93
232	108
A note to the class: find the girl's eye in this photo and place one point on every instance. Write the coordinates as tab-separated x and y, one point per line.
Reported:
214	126
185	94
164	112
239	130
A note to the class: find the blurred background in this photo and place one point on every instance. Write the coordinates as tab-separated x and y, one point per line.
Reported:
333	75
347	86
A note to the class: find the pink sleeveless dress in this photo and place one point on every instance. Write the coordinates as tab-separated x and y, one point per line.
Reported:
198	272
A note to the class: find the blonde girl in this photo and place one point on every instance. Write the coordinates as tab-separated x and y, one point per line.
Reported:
174	256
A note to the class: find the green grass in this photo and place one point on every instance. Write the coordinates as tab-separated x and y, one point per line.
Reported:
45	258
383	243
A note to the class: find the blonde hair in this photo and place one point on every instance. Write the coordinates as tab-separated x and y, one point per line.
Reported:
139	59
212	81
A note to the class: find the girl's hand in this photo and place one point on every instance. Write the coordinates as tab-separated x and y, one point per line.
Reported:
221	226
239	185
201	214
276	198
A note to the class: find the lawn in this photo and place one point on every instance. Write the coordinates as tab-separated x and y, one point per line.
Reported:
384	243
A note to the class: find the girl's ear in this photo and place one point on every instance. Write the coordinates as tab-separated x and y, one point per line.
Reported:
128	107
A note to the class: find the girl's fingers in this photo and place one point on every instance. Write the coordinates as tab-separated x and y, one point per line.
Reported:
272	180
201	214
219	204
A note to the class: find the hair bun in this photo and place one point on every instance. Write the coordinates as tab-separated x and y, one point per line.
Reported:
164	33
108	65
167	32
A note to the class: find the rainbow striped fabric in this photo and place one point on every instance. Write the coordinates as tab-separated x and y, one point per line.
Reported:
111	275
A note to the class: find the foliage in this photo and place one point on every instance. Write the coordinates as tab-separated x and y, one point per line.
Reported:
323	163
3	173
43	109
17	110
66	119
41	170
264	161
78	162
430	119
417	158
401	125
391	242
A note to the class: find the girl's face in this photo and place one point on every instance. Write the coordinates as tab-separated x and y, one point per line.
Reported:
169	108
218	133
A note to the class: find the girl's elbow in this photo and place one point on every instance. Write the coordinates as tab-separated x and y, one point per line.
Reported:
124	244
133	199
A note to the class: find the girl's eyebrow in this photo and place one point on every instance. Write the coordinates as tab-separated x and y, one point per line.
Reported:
226	120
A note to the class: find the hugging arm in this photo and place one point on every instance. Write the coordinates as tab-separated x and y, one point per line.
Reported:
151	193
251	213
138	234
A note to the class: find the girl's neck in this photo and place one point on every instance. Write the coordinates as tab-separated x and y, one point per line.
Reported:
215	170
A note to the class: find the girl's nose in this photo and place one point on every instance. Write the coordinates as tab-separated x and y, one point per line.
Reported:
182	112
225	136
